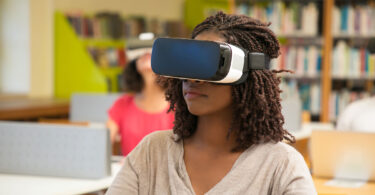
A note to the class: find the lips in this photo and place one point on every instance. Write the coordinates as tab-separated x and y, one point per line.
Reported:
190	94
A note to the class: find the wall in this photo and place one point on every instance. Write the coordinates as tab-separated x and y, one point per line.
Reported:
163	9
14	46
41	48
26	36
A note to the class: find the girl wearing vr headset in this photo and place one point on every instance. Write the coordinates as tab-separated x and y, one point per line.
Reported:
226	139
143	109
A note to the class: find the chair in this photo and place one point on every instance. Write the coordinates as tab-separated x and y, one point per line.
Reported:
91	107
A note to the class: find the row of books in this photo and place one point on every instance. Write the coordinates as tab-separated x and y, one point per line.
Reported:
352	62
287	19
303	60
108	57
102	25
109	25
339	100
309	94
354	20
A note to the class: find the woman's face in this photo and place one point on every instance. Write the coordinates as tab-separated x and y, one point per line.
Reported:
144	63
203	98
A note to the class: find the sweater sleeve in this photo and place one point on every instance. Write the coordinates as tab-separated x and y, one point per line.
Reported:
126	181
293	176
138	174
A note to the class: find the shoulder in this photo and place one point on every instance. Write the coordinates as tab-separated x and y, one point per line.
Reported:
123	100
276	155
352	111
359	105
158	138
154	146
280	153
291	174
288	154
279	149
285	148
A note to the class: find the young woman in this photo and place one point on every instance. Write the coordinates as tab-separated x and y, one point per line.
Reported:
227	139
143	109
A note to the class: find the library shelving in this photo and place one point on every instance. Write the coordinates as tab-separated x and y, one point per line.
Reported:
353	53
75	70
342	35
90	49
297	26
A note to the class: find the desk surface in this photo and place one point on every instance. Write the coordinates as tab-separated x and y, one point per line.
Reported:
23	108
22	184
367	189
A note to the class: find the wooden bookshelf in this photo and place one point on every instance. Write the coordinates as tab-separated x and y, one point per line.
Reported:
301	45
353	65
325	41
327	59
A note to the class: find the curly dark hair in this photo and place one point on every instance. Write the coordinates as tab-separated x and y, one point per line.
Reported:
257	115
133	81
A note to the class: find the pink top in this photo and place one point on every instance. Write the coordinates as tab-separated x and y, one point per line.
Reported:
135	123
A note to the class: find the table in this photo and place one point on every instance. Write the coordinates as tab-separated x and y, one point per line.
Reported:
367	189
302	139
11	184
24	108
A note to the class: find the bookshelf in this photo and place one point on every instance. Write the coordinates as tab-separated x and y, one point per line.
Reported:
327	59
297	25
90	52
319	38
75	70
353	53
339	37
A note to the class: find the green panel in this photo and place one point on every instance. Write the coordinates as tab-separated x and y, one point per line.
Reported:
75	70
112	74
197	10
105	43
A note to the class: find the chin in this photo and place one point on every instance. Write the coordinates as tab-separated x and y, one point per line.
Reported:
197	110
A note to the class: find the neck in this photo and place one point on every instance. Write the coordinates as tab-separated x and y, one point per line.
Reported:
151	90
212	132
151	99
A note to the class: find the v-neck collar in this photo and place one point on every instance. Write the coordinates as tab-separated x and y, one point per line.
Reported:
227	177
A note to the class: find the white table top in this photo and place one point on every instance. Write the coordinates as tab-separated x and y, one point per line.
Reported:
11	184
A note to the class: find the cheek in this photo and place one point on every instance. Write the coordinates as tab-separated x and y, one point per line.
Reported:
223	97
143	65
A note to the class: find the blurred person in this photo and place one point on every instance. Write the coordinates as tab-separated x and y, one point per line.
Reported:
143	109
358	116
227	139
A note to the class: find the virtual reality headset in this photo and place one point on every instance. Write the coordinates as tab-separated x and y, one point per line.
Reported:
136	47
204	60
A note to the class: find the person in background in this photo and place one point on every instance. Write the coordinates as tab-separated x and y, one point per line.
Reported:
143	109
227	139
358	116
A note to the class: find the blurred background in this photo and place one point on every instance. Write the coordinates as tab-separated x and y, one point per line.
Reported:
53	50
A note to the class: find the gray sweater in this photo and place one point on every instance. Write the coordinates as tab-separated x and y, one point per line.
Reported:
156	166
